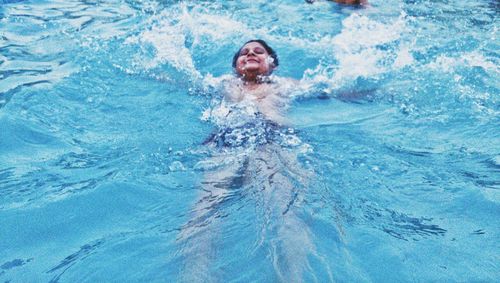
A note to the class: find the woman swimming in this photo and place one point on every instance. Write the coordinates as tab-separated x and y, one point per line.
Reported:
256	160
253	107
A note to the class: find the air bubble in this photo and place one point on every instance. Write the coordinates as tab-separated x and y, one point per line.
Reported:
176	166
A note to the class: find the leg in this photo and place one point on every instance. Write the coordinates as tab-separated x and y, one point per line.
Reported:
199	235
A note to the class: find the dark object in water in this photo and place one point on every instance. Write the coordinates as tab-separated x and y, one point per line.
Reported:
253	133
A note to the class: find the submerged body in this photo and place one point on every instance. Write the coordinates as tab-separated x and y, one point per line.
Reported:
255	160
256	153
256	156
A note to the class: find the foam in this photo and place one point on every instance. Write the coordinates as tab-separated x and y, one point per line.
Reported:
470	59
356	50
174	29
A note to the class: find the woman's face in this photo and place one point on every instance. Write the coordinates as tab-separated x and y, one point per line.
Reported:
253	61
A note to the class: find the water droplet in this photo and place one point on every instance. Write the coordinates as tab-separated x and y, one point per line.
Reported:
176	166
205	165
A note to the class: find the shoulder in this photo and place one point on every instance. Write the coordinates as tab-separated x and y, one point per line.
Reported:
286	87
210	81
283	81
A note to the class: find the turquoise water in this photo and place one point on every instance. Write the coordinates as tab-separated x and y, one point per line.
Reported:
103	115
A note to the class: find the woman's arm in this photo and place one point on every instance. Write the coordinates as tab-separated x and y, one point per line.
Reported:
312	89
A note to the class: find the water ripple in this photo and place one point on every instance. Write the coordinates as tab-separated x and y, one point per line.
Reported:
400	225
84	252
49	31
40	186
92	98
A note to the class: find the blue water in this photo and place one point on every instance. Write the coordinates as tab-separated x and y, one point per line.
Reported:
103	114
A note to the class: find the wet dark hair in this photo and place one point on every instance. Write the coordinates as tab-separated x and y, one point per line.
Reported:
269	50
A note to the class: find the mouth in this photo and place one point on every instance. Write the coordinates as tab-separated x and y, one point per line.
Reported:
252	61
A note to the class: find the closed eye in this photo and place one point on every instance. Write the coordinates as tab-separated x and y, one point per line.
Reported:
244	52
257	50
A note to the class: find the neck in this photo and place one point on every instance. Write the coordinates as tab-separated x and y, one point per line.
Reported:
255	79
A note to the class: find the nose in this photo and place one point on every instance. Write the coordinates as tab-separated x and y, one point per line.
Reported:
251	51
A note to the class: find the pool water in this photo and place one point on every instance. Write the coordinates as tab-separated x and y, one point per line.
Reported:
103	116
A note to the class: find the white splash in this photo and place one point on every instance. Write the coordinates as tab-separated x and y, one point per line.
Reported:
169	43
359	32
470	59
176	31
404	58
357	50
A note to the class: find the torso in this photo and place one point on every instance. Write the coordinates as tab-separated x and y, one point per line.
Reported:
269	99
252	115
